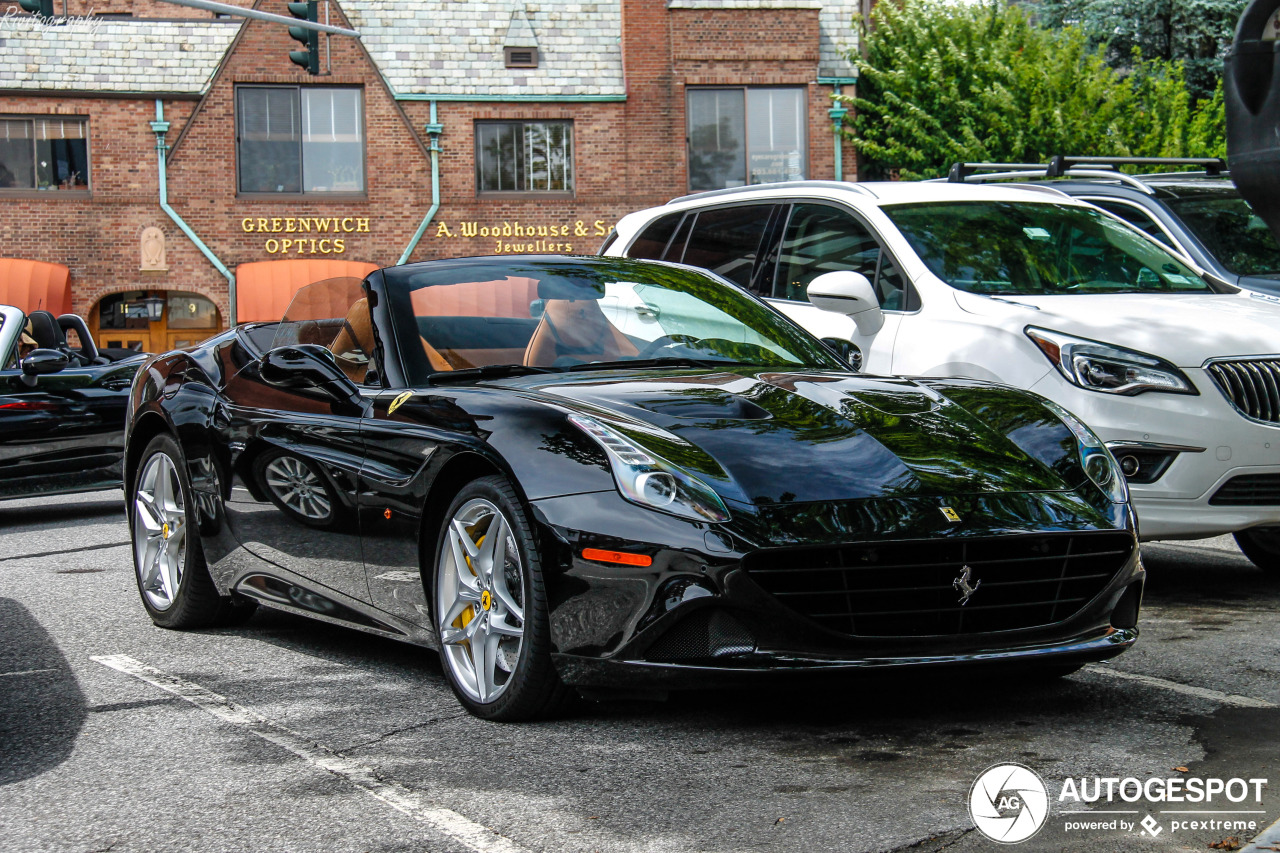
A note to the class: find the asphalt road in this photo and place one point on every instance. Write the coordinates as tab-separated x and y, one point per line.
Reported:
290	735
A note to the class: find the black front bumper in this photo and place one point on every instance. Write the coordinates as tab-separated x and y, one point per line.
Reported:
695	618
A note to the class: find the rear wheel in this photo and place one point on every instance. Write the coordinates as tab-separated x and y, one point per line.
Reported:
491	607
168	562
1262	546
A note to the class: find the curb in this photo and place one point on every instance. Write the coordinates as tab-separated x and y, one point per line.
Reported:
1269	836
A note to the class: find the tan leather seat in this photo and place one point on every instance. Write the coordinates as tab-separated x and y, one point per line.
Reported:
354	343
575	329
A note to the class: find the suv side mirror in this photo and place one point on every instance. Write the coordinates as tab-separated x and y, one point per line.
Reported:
850	293
307	367
39	362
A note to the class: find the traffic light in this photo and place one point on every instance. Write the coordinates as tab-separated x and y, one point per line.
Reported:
43	8
309	58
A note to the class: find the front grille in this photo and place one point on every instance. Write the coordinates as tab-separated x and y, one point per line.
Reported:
908	589
1252	386
708	633
1249	490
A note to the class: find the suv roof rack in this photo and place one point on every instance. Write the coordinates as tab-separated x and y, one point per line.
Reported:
1059	164
830	185
1069	167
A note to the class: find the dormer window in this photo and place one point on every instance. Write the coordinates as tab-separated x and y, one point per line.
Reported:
521	57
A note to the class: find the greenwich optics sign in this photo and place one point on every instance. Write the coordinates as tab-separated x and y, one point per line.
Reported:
305	235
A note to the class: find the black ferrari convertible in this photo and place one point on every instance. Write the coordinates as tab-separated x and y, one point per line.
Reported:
569	472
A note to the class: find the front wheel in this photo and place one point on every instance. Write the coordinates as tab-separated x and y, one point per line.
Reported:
491	607
168	562
1262	546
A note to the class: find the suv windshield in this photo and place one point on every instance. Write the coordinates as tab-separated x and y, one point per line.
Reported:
1231	231
564	313
1020	248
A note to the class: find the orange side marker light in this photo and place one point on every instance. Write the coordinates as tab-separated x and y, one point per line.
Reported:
620	557
387	514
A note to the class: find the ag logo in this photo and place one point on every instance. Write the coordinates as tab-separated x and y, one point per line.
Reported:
1008	803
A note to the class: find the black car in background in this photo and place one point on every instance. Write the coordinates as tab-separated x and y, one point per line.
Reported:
566	472
1201	215
62	408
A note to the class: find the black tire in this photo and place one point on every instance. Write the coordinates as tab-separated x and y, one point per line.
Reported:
533	689
197	602
1262	546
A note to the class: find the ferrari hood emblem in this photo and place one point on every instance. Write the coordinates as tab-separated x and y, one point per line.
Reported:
961	585
399	401
950	513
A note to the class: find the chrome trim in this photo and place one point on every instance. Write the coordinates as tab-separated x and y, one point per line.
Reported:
1250	384
1152	445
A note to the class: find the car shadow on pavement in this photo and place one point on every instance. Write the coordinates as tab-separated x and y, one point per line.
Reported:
15	516
41	706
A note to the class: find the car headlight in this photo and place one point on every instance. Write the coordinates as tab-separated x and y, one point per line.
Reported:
1111	370
1098	463
647	479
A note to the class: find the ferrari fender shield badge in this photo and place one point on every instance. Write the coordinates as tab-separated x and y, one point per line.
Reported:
398	401
950	513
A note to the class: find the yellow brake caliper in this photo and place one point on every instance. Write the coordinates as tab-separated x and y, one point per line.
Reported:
470	613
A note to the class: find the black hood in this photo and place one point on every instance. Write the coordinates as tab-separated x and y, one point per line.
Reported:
769	437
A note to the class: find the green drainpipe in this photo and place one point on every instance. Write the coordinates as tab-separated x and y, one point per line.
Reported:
434	129
837	114
160	127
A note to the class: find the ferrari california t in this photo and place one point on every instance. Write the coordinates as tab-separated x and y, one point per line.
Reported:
565	472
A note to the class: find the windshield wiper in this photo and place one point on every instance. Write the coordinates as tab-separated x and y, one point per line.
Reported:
488	371
671	361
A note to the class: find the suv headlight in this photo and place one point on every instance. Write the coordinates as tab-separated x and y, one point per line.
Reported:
647	479
1111	370
1095	458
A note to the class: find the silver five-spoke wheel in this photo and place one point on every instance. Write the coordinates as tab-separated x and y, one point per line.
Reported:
480	600
160	532
297	487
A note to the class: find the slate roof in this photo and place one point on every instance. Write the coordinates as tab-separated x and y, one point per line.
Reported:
144	57
436	47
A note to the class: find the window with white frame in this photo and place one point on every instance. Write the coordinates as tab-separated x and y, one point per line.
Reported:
524	156
746	135
300	139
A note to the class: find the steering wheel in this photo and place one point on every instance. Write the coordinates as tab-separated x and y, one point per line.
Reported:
666	341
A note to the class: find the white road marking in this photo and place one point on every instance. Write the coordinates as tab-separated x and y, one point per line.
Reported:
473	835
25	672
1185	689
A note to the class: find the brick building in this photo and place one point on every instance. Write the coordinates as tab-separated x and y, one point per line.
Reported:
158	152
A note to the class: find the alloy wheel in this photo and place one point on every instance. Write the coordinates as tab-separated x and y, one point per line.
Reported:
159	531
297	487
480	600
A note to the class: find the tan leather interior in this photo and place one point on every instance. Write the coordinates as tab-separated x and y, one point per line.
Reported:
437	361
354	343
575	329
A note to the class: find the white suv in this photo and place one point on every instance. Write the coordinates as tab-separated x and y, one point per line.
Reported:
1179	373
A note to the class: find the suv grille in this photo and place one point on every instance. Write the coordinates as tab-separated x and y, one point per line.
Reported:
1253	387
908	589
1248	490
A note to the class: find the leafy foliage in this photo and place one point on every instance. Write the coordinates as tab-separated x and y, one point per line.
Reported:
1196	33
944	82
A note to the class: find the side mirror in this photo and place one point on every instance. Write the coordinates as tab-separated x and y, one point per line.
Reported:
306	367
39	362
850	293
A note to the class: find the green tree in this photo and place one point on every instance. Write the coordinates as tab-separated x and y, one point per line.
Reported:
944	82
1196	33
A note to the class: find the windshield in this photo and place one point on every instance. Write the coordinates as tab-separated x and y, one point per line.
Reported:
570	313
1231	232
1016	248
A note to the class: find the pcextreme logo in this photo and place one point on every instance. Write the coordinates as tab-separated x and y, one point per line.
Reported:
1008	803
